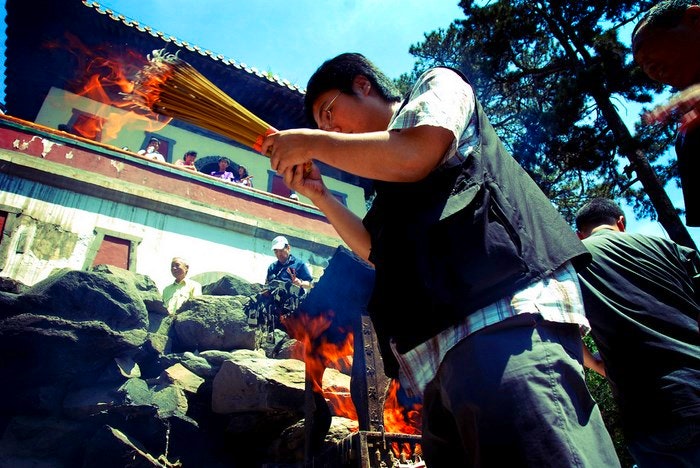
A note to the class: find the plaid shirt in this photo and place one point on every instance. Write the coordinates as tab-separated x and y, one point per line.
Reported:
556	297
441	98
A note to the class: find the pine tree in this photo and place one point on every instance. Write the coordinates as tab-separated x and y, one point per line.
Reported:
554	77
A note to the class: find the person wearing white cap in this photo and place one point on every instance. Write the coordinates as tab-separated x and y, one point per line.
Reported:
287	267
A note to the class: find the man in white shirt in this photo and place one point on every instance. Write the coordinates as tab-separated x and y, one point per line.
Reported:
182	289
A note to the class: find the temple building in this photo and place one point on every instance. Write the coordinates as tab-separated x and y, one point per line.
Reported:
74	190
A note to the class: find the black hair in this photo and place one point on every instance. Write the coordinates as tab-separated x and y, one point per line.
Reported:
339	73
191	153
225	159
664	15
596	212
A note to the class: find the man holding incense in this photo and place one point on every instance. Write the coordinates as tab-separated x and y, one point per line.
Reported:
476	302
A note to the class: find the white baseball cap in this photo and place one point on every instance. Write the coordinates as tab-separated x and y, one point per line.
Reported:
279	243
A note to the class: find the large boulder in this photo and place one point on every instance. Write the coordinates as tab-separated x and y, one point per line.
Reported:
212	322
231	285
83	296
40	354
12	285
145	287
251	382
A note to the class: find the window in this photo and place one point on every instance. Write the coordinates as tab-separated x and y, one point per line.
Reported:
112	248
85	125
113	251
8	220
342	197
276	185
165	145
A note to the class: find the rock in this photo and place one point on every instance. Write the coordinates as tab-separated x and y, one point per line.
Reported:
132	396
289	447
96	374
211	322
248	383
111	448
231	285
146	288
86	296
180	376
199	365
38	351
30	441
12	285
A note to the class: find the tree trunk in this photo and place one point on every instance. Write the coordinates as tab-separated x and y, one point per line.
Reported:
668	217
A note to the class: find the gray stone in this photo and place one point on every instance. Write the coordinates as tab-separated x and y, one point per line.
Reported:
87	296
210	322
12	285
146	288
246	383
30	441
111	448
231	285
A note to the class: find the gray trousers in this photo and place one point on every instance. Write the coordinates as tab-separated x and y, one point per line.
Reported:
513	395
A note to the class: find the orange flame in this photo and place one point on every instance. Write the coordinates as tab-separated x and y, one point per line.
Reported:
400	418
104	76
319	353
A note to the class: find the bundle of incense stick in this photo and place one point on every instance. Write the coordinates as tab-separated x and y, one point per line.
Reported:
169	86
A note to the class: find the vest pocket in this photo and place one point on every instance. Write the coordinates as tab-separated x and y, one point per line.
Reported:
478	254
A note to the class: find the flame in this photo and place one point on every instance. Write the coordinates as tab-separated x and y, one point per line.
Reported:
104	76
319	351
401	415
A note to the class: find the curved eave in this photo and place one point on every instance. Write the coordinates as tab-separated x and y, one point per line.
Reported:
33	66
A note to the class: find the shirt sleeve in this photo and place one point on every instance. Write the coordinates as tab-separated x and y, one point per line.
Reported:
441	98
303	272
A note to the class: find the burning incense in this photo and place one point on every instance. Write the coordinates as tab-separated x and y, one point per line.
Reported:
169	86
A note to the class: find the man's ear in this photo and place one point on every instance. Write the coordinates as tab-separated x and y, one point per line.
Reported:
620	223
361	85
581	235
691	17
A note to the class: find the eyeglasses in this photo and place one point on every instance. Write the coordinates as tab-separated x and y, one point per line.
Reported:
326	116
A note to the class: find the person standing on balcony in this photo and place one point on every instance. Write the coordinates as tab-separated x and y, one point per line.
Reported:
187	161
151	150
243	178
223	173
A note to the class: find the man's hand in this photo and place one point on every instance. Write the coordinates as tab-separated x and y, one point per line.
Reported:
306	182
297	281
288	148
685	104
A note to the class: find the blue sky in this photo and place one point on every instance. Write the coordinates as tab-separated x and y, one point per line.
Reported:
291	38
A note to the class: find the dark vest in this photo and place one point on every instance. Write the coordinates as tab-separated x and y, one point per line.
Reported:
457	241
